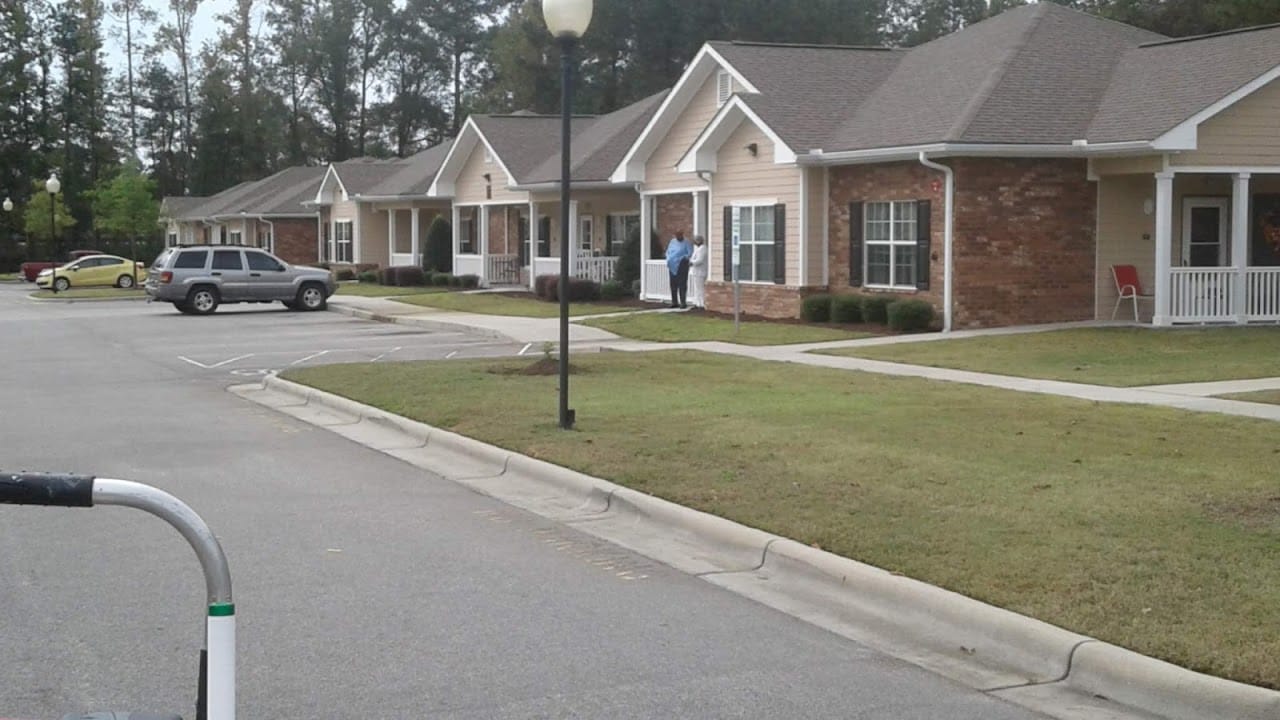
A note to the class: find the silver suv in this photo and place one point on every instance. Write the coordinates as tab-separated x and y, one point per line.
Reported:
198	278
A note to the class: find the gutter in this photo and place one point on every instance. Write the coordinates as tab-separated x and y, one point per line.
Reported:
947	234
1078	148
573	185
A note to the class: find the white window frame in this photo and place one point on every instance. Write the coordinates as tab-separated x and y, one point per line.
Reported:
586	233
724	87
753	241
468	231
619	221
342	238
235	237
894	242
171	239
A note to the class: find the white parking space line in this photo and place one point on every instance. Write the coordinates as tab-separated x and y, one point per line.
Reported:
197	363
385	354
309	357
450	355
525	349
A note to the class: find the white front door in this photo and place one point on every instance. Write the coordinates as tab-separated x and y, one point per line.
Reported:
1205	232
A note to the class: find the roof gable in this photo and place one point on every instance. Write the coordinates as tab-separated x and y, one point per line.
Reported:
445	182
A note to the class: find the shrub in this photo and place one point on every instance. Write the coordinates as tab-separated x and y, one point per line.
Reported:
582	290
550	288
410	275
541	285
613	290
441	279
470	282
635	288
346	274
365	267
455	281
387	276
846	309
910	315
875	308
628	270
438	254
368	276
816	308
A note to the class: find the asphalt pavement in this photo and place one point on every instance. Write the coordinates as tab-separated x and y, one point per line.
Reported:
365	587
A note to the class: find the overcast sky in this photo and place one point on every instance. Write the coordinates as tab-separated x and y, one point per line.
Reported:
203	29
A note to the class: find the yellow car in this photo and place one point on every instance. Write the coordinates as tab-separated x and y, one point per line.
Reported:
94	270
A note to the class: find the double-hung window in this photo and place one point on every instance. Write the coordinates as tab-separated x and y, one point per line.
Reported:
759	242
895	245
467	231
342	241
235	237
618	229
171	239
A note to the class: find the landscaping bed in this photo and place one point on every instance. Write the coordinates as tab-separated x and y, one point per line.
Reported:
1152	528
1121	357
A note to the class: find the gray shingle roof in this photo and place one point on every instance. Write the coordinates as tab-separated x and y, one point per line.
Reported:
524	141
362	175
415	174
177	206
597	147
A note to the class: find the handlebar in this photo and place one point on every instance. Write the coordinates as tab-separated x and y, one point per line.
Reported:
51	489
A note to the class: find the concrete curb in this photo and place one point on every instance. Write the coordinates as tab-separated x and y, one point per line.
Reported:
416	321
952	625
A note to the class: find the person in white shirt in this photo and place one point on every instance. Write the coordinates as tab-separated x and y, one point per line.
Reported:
698	272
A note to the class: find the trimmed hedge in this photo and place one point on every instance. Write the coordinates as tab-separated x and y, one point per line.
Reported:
410	276
910	315
547	287
368	276
542	285
613	290
345	274
875	308
441	279
470	282
816	309
846	308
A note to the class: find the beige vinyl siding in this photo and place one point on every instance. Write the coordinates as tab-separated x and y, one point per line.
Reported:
660	171
470	186
599	205
373	236
815	247
1247	133
742	178
1125	237
1147	164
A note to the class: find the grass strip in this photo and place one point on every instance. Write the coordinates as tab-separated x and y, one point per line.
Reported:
1152	528
682	327
375	290
1120	357
504	304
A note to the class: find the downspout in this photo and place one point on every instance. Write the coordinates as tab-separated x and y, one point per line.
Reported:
260	218
947	236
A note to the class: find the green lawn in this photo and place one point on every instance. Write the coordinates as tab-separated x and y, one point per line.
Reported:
96	293
1152	528
1262	396
505	304
681	327
374	290
1122	357
9	277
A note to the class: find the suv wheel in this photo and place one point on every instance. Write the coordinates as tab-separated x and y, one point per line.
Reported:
311	297
202	300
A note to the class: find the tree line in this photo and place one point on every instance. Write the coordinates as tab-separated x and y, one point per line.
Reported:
294	82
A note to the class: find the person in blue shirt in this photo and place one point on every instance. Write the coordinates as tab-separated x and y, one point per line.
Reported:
678	252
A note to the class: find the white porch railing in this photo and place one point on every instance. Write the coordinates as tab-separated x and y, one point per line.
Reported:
546	266
502	269
596	269
403	259
657	281
468	264
1208	295
1262	293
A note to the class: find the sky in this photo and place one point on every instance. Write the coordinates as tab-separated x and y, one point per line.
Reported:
204	29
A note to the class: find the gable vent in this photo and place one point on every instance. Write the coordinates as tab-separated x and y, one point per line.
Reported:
724	87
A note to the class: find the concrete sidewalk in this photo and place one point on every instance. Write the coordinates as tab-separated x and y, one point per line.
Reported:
1190	396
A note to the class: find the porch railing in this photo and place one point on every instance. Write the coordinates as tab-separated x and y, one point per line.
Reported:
596	269
403	259
502	269
468	264
1262	293
657	281
1202	294
546	266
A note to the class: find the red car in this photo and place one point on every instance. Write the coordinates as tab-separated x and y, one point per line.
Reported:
30	270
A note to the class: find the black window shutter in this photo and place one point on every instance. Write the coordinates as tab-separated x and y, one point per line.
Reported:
780	244
855	244
728	243
608	234
923	242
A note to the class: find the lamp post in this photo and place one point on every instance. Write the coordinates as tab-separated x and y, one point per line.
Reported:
567	20
8	208
52	186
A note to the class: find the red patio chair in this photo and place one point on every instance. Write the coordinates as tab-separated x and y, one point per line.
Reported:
1128	287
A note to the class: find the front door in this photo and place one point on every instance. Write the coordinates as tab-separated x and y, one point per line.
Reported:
1204	231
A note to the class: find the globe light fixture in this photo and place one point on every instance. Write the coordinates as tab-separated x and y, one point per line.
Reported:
53	186
567	18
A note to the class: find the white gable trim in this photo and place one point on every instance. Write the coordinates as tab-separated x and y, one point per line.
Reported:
445	182
702	155
704	64
1183	136
331	172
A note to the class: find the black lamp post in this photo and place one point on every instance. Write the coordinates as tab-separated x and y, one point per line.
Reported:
53	186
567	20
8	208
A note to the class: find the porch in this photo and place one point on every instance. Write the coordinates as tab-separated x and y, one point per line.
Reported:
1205	241
662	214
407	232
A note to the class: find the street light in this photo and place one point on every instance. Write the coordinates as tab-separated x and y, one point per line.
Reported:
567	20
53	186
8	205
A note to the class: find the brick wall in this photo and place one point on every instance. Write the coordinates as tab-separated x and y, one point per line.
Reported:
770	301
675	212
1024	235
296	240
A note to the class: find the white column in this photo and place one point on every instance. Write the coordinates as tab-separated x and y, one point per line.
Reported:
572	238
645	230
699	208
357	237
457	231
1240	245
1164	247
484	245
413	238
391	236
533	243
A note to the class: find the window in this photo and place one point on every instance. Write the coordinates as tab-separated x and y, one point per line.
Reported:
235	238
227	260
191	260
754	226
617	229
586	225
262	261
724	87
891	235
467	231
171	239
342	238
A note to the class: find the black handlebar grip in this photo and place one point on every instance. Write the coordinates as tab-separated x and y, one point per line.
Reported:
59	489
